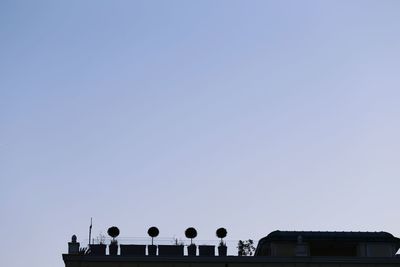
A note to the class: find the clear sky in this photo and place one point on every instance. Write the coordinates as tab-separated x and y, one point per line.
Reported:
252	115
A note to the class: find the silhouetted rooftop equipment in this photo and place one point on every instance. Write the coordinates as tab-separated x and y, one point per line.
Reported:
313	243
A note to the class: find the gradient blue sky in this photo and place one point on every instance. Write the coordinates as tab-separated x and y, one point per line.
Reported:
252	115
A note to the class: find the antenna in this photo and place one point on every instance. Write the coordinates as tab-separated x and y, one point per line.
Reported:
90	230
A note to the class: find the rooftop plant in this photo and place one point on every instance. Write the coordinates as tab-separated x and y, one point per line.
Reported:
191	233
153	232
221	233
100	239
246	247
113	231
84	251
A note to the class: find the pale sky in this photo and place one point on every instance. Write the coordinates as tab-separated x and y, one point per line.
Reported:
250	115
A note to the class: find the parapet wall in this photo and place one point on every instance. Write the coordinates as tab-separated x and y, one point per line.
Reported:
228	261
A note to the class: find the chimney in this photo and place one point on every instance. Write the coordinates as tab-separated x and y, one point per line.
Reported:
73	246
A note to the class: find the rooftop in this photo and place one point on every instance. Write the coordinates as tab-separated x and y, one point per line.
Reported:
332	235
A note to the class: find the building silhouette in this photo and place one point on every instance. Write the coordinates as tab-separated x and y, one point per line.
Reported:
279	248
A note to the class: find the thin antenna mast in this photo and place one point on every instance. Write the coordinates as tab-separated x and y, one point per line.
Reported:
90	230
